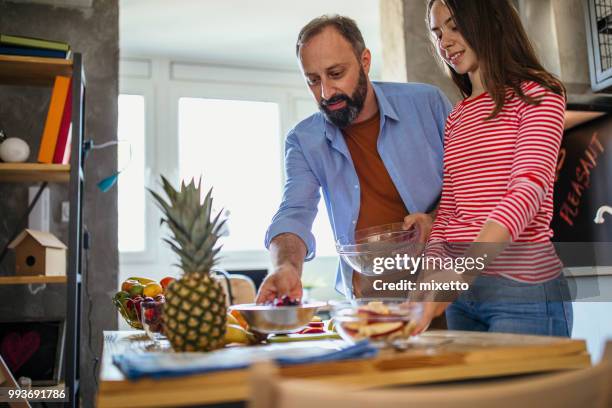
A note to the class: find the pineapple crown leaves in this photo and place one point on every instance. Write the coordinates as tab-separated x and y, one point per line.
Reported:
194	232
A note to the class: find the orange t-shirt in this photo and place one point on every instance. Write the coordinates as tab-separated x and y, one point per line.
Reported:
380	200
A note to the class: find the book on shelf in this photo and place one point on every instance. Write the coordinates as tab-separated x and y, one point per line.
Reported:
53	123
62	147
34	52
31	42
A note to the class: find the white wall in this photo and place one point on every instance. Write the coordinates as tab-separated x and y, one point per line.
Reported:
593	311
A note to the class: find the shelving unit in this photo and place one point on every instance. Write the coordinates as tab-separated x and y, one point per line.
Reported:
25	280
30	71
34	172
15	70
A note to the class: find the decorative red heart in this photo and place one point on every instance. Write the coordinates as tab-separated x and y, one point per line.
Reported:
17	349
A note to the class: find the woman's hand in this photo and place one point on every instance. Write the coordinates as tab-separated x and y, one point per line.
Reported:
430	311
424	223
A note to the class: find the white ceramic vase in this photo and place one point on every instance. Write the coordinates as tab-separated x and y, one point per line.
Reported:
14	150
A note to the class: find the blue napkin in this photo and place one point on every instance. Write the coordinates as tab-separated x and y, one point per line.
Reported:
164	365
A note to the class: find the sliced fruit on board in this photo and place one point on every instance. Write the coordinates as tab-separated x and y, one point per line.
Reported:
285	338
312	330
352	327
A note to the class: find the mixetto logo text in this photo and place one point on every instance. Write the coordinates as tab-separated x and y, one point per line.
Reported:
406	285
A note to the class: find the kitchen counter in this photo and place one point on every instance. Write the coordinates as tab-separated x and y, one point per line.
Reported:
441	356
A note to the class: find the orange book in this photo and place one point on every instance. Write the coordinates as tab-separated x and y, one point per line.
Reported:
62	147
54	119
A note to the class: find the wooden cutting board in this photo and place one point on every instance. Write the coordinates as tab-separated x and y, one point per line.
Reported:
439	356
286	338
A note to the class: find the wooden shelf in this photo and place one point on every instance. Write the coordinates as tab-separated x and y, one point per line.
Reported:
34	172
24	280
17	70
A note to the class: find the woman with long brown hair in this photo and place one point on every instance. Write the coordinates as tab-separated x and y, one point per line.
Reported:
501	147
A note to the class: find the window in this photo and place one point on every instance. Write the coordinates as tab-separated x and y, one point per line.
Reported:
235	146
131	194
232	135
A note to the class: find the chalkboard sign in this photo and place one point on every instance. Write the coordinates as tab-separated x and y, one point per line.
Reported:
583	191
33	349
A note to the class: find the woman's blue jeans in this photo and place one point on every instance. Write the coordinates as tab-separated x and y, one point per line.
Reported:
498	304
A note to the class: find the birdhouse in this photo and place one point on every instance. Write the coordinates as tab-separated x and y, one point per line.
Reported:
39	253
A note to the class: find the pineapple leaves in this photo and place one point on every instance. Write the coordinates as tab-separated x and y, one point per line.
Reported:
194	234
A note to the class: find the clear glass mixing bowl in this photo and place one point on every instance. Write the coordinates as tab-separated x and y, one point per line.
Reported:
384	241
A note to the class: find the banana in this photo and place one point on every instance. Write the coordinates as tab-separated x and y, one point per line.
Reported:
143	281
232	320
236	334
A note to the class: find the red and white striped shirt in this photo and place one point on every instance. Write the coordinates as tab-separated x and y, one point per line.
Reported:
503	169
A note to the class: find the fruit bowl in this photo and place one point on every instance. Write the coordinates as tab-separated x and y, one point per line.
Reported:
387	322
270	319
129	313
383	241
134	291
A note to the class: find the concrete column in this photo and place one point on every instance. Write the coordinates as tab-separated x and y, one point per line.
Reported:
555	27
393	41
538	20
407	51
571	36
557	30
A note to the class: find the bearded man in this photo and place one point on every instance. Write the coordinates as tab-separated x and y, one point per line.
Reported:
374	150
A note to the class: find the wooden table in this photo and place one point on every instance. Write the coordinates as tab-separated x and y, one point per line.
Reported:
444	356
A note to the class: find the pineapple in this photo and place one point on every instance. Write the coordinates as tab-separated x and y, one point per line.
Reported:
195	309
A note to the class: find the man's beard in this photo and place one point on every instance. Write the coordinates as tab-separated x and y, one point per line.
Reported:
354	104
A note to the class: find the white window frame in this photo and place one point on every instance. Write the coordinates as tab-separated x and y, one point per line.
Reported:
229	259
143	86
163	82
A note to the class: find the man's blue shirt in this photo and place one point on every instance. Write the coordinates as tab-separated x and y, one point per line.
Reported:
410	144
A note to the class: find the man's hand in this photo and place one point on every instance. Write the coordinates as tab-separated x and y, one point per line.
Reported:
285	280
430	311
424	223
287	252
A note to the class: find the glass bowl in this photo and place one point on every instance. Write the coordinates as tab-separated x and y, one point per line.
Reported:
383	241
387	322
152	318
130	311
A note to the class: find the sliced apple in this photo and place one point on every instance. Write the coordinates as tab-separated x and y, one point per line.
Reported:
318	325
312	330
352	327
375	307
380	329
